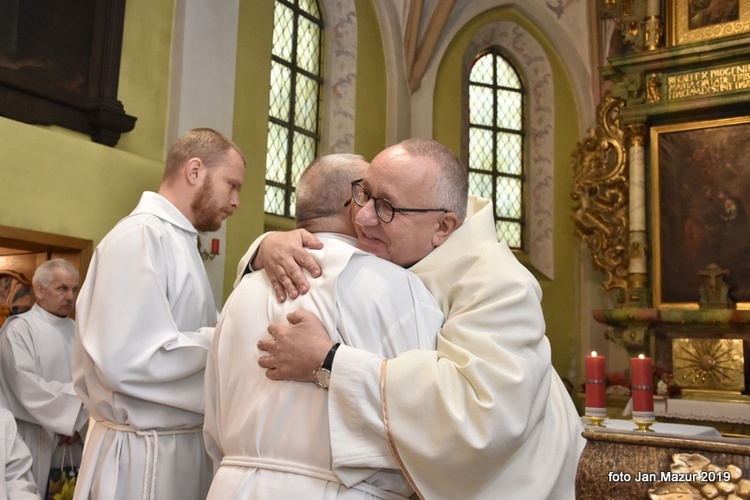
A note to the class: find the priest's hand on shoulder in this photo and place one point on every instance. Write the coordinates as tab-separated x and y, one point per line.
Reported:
283	255
295	350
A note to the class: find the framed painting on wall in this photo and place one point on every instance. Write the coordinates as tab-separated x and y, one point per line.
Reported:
60	65
700	194
700	20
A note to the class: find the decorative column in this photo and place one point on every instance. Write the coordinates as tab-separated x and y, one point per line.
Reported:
653	27
637	294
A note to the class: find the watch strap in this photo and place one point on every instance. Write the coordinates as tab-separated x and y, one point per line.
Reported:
328	361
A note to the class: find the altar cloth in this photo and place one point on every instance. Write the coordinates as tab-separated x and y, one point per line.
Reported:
658	427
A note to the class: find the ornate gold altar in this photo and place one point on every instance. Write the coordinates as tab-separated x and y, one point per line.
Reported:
660	190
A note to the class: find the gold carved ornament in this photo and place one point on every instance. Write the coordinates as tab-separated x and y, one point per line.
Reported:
704	364
600	193
695	477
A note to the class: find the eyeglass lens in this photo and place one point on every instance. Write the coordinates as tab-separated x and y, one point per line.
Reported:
383	209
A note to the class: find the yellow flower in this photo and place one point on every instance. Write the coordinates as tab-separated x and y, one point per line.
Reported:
68	488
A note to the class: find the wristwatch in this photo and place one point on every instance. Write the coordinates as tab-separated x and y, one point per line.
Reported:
322	374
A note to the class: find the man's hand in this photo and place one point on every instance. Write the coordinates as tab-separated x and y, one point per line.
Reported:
295	351
282	254
67	440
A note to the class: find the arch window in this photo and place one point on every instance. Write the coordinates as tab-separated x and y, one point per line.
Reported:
294	101
496	142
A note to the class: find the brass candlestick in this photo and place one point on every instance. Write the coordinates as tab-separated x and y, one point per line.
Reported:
596	421
643	425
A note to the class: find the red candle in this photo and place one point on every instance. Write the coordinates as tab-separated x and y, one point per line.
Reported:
596	385
215	246
641	385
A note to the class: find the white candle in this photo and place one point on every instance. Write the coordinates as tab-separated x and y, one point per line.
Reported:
637	206
653	8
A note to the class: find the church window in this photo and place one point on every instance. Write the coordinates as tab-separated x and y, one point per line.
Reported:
294	101
496	142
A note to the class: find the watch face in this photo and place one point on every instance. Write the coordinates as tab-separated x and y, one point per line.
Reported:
322	377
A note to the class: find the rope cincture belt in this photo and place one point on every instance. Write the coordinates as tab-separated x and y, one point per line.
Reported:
152	450
305	470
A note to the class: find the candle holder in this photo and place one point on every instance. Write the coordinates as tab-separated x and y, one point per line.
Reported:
653	32
643	425
205	254
596	421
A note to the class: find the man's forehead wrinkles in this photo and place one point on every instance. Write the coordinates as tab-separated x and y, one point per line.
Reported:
380	192
381	187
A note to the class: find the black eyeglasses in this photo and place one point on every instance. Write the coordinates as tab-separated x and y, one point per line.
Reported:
383	207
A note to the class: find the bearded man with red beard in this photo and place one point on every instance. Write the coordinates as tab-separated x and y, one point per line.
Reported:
146	318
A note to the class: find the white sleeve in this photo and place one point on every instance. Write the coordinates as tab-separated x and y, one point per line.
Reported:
211	422
50	403
19	483
355	415
387	311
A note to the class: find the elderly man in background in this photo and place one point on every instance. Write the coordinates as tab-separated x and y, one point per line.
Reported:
145	320
272	438
36	363
483	416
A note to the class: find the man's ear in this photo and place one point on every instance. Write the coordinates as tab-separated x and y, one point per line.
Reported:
447	223
194	171
38	292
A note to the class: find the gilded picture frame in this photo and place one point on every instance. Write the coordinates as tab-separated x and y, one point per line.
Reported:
701	20
700	191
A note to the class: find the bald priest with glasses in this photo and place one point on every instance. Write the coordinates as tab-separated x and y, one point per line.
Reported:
485	416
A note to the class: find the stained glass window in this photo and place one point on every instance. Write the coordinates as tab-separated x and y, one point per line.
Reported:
496	142
294	101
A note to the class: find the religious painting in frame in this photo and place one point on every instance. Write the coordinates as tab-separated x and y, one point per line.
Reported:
700	195
701	20
60	65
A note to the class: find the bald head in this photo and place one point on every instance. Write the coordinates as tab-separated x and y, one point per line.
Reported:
427	187
451	178
323	191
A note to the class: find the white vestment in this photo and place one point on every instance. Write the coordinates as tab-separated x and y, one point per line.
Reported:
16	480
486	415
271	437
36	386
145	319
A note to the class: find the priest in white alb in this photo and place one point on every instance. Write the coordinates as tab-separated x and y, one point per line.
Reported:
145	320
36	364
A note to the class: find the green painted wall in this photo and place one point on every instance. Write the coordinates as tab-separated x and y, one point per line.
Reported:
371	104
250	127
59	181
64	184
144	74
559	303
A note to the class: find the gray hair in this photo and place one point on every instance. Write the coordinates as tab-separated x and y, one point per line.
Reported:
325	185
452	182
44	274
